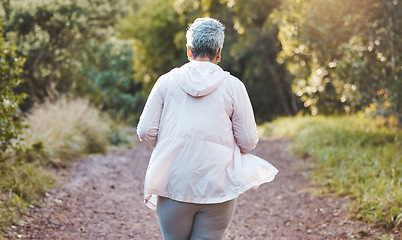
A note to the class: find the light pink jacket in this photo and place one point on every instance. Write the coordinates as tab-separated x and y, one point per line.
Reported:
198	118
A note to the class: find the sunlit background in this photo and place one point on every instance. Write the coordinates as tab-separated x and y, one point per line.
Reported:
313	56
97	60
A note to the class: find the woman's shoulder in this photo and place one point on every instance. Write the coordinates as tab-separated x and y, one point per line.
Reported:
169	75
234	81
233	78
164	81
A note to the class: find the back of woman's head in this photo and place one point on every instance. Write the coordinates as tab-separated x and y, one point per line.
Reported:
205	37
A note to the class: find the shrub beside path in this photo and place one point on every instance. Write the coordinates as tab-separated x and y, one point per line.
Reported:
102	199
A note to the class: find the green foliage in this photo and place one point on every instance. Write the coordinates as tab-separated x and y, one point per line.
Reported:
109	80
11	122
154	28
70	48
356	156
22	181
249	51
254	59
27	180
53	36
343	55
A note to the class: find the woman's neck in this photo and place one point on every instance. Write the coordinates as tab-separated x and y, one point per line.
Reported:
203	59
206	59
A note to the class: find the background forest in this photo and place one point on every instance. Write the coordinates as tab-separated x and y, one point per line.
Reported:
90	64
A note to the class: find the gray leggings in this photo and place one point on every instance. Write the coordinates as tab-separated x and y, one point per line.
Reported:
184	221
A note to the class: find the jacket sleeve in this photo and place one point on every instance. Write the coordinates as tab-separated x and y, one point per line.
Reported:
244	127
148	126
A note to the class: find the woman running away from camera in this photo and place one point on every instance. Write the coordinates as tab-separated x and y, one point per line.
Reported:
200	123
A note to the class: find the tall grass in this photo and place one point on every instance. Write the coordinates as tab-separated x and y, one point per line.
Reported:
58	132
68	128
356	156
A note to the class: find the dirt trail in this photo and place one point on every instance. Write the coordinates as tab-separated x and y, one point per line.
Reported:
102	199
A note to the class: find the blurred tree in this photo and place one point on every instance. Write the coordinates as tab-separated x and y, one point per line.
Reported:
343	55
156	43
254	55
110	83
11	122
53	34
248	53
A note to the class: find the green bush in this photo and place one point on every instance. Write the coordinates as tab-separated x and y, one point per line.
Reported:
21	184
108	81
356	156
10	121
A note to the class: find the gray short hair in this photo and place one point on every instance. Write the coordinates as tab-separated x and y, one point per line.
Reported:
205	36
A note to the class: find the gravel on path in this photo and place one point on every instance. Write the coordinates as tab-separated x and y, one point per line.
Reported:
102	198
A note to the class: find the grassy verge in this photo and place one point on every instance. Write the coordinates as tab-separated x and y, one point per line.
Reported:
356	156
58	133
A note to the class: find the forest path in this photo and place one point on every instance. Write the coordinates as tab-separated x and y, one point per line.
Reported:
102	199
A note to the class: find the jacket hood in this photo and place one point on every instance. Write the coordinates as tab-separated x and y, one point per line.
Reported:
200	78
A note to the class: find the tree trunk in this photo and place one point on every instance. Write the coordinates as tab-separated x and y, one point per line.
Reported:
280	86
